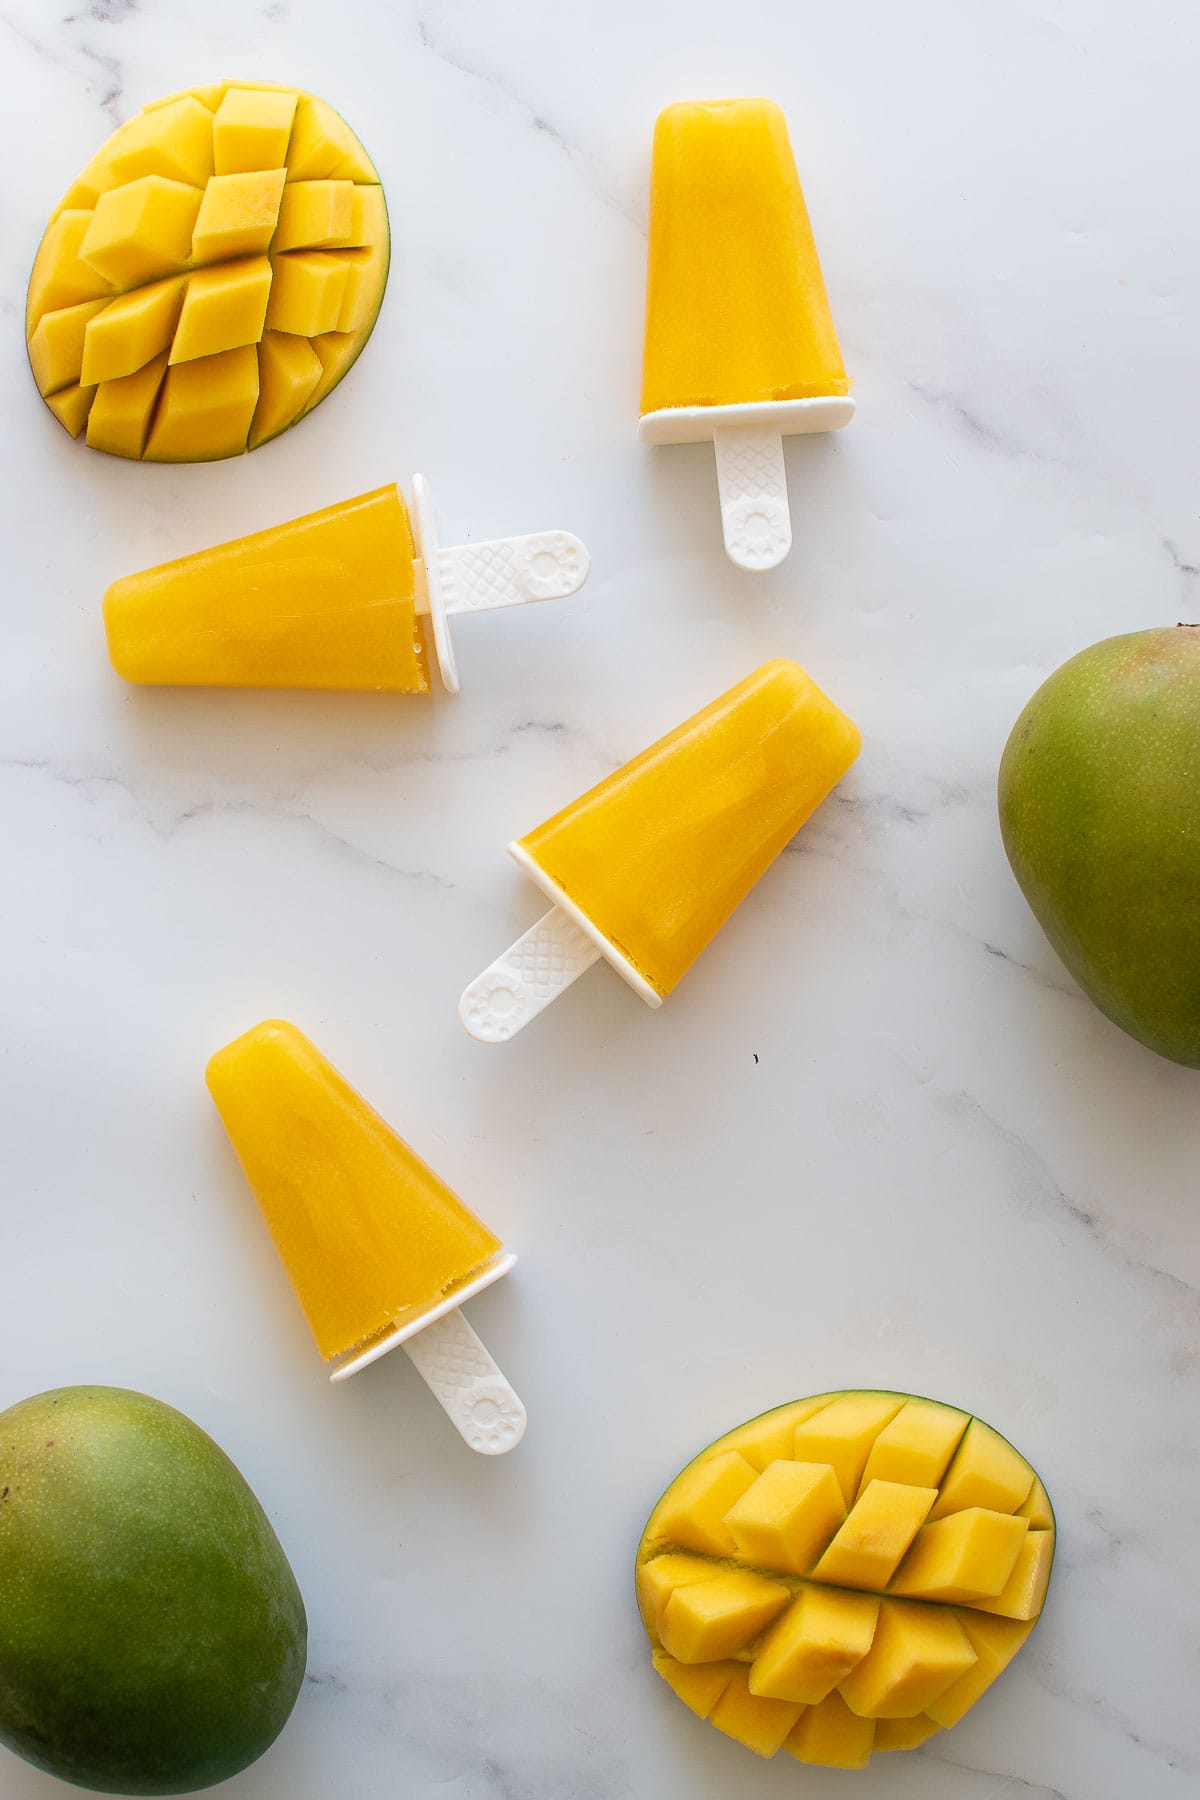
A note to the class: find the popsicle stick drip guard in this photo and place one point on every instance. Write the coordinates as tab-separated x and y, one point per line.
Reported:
471	578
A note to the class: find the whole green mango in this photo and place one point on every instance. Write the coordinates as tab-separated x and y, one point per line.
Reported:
1100	814
152	1636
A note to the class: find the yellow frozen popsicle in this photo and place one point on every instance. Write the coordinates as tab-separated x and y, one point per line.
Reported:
740	342
377	1246
646	867
327	601
342	598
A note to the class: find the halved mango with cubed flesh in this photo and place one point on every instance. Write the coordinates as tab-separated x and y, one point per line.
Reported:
801	1562
231	217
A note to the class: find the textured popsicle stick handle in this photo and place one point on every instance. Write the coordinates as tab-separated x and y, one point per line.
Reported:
472	1391
545	565
522	983
752	482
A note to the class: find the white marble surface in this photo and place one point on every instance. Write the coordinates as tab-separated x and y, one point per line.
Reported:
877	1136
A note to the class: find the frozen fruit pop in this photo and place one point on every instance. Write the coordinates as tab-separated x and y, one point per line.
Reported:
342	598
740	343
379	1251
646	867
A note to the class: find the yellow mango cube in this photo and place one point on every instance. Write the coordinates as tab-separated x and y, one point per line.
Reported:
842	1434
174	140
238	215
820	1638
903	1734
56	347
142	230
706	1621
881	1525
317	215
785	1518
288	372
692	1513
699	1685
307	294
365	270
223	308
206	406
759	1723
121	410
916	1653
831	1736
322	145
251	129
1037	1509
368	215
60	279
1025	1590
658	1579
968	1556
986	1471
209	94
772	1437
916	1446
132	330
71	406
995	1642
336	350
97	177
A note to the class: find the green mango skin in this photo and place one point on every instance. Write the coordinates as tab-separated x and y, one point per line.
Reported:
1100	814
152	1636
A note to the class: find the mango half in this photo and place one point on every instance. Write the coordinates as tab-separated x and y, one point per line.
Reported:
845	1574
210	276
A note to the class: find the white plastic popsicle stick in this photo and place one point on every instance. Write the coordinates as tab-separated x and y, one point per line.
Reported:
752	482
476	1396
519	985
471	578
472	1391
750	472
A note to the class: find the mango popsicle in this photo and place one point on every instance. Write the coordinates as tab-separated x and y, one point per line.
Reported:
646	867
377	1247
740	343
347	597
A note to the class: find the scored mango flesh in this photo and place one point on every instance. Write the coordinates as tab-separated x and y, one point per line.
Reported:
844	1575
210	276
